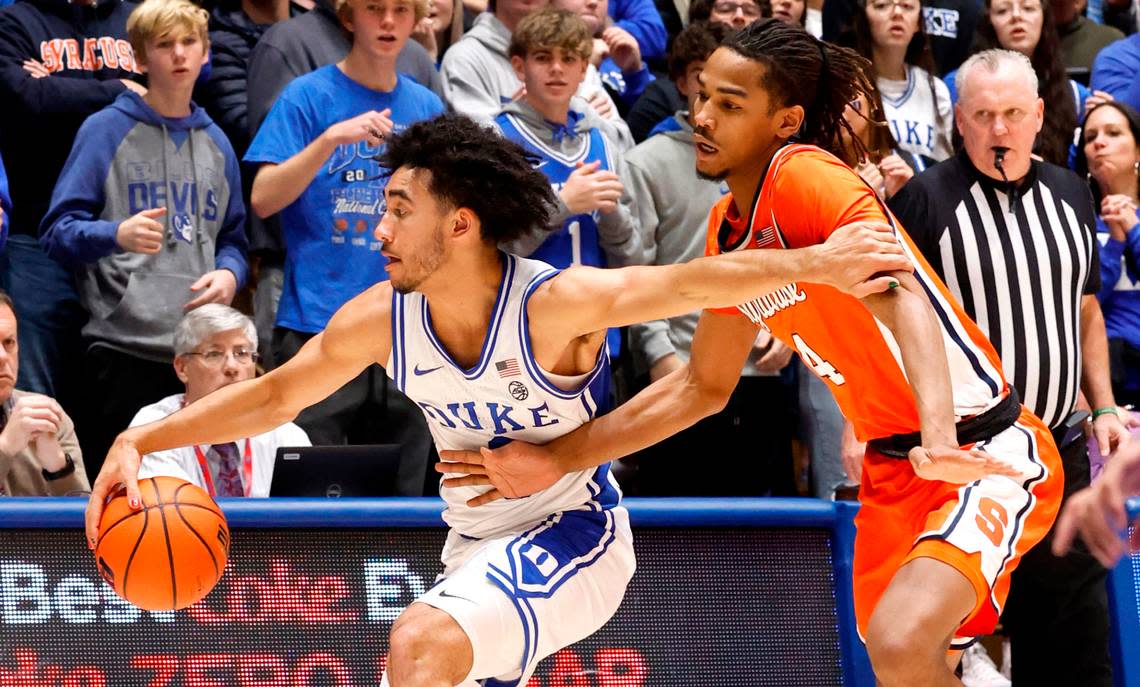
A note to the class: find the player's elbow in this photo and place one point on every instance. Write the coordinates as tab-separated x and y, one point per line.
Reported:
707	398
901	307
278	403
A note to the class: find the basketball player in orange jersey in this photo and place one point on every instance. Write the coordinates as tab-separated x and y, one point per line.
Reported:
940	529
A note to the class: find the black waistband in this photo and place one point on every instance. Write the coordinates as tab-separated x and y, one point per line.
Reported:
970	431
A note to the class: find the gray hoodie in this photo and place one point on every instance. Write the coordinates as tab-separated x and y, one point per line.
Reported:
127	158
672	205
620	239
478	79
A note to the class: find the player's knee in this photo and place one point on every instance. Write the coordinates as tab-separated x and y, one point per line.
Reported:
426	645
899	655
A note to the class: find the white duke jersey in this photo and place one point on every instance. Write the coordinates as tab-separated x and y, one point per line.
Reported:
576	242
919	112
504	397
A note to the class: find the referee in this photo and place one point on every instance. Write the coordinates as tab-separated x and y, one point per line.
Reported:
1012	237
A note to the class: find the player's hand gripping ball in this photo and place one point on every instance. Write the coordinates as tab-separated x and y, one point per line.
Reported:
169	554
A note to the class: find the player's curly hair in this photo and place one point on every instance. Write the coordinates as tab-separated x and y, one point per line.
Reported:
803	70
472	166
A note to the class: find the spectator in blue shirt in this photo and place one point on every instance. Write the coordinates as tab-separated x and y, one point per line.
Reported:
317	153
1115	68
642	20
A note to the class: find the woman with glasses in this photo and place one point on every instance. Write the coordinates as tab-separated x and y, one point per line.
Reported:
1026	26
916	105
215	346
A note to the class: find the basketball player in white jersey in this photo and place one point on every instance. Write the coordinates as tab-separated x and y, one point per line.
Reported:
495	348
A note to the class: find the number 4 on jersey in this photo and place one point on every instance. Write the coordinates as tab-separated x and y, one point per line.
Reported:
817	364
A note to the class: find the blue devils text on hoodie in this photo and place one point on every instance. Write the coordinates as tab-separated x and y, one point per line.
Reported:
127	158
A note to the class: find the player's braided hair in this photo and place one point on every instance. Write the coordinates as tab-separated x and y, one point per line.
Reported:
472	166
803	70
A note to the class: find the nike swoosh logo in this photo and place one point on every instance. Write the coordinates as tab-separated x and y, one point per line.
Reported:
453	596
420	373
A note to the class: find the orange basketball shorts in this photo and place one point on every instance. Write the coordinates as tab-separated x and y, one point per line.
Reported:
982	529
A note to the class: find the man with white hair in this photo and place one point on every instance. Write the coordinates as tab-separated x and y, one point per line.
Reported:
1013	238
215	346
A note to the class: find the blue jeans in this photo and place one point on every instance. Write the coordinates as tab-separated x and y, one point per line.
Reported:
49	319
822	429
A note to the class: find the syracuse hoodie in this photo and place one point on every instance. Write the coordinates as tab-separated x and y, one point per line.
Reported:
127	158
86	50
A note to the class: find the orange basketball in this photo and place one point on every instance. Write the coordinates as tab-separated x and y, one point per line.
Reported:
170	553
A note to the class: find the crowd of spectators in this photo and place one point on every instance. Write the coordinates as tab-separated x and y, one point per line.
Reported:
164	161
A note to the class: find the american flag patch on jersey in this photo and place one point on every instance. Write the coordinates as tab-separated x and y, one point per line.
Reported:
766	237
508	367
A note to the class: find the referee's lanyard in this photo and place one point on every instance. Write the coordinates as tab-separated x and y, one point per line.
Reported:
246	469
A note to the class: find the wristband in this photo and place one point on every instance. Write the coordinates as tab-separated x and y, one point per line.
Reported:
67	469
1105	411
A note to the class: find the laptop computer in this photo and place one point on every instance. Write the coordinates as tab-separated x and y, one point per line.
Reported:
335	471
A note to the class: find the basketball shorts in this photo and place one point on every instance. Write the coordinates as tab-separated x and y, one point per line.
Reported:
520	598
981	529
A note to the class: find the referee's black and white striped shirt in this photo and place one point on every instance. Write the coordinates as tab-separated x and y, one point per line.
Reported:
1020	276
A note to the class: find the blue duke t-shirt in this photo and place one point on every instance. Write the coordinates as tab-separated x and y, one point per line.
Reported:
331	255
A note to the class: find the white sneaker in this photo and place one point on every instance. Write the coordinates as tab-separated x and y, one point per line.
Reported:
978	670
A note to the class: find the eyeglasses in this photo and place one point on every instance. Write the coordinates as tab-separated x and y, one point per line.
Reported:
885	6
748	9
214	358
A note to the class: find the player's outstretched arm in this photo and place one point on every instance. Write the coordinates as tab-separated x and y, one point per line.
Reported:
856	259
720	346
1098	513
907	313
355	338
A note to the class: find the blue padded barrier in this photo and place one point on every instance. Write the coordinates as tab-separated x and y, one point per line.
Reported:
730	514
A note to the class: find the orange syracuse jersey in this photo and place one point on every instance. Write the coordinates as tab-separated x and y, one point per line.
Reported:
805	195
